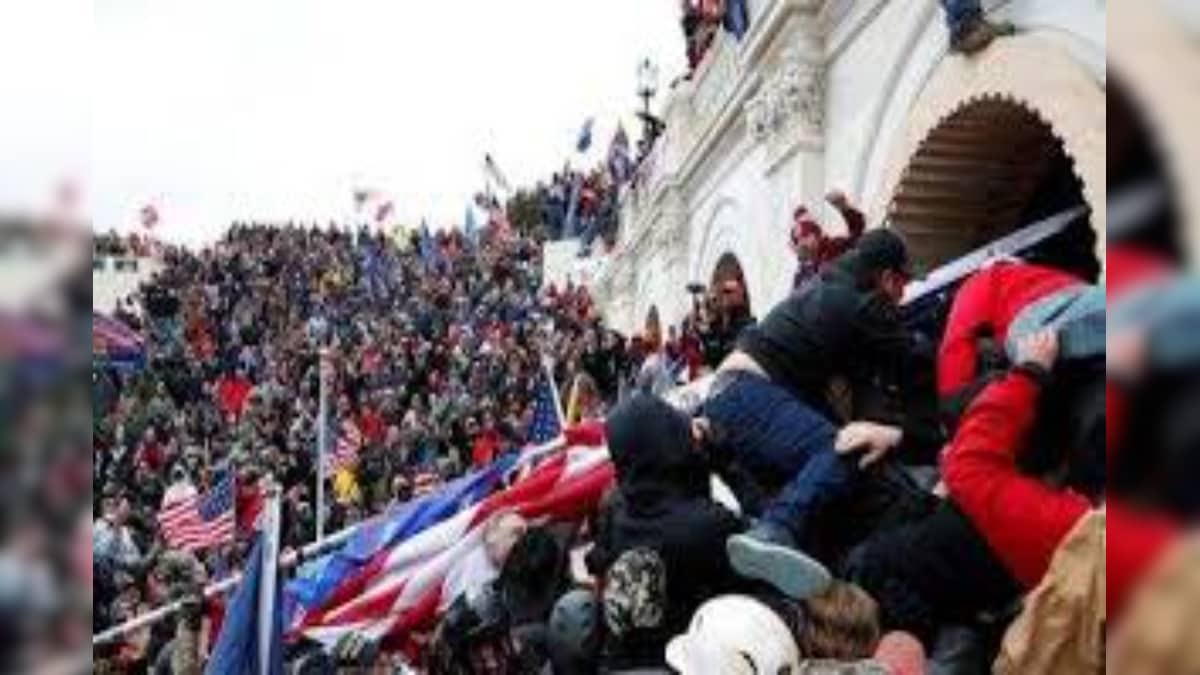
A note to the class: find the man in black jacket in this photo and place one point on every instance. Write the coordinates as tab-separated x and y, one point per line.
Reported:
771	401
662	504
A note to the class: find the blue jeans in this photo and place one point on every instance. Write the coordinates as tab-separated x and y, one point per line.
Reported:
776	436
961	14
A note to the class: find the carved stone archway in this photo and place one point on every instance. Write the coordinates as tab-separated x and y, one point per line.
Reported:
1031	72
1152	81
990	166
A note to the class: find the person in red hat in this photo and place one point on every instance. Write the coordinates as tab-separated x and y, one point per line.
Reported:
814	248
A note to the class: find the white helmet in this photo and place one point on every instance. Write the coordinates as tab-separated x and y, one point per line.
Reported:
735	635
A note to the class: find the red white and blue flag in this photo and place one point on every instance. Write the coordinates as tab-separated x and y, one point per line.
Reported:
203	520
391	582
547	422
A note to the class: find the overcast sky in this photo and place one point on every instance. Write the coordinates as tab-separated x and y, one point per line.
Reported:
226	109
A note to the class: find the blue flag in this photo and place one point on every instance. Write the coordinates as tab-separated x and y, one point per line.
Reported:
572	207
429	253
470	228
238	647
547	422
585	135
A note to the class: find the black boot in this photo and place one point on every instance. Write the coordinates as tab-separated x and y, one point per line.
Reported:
976	37
768	552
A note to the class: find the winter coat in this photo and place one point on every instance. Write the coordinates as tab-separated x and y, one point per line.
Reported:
1061	629
1159	633
991	299
837	328
662	503
1023	519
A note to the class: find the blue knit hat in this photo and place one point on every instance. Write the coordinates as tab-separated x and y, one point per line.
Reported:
1078	313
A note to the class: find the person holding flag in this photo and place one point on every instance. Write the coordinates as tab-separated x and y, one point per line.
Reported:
251	638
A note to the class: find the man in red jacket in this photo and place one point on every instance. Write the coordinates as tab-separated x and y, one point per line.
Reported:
985	306
1022	518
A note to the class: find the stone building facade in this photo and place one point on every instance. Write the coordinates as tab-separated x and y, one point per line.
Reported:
862	95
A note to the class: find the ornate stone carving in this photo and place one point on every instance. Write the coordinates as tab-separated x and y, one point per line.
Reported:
625	279
671	226
718	79
793	95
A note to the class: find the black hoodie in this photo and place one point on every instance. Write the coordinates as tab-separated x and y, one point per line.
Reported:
662	502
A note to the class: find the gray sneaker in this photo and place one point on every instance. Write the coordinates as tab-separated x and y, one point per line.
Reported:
768	553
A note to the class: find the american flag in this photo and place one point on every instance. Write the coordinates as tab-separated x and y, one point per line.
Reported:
345	450
547	423
203	520
396	588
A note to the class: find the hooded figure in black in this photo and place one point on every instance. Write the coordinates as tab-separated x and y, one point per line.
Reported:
662	503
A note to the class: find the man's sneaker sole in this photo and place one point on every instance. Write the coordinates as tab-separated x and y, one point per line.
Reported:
791	572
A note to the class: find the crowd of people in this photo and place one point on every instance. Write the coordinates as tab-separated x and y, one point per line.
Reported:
438	344
946	514
891	501
117	245
594	214
853	493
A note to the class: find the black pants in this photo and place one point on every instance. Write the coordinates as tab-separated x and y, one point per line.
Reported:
934	572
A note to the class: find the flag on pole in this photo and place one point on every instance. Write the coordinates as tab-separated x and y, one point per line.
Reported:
384	211
585	135
317	580
202	520
361	196
251	639
470	227
573	207
547	421
149	216
428	247
404	587
493	172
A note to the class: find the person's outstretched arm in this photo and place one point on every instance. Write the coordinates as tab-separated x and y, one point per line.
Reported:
1022	518
856	222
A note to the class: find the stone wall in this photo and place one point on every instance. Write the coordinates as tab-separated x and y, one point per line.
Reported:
825	93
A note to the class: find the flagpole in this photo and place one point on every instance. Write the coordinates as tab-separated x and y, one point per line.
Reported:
322	437
558	406
286	561
268	587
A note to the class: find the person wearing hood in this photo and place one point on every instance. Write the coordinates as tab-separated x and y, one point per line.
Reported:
770	399
662	503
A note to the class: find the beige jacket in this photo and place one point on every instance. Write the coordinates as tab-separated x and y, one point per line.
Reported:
1061	630
1160	632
